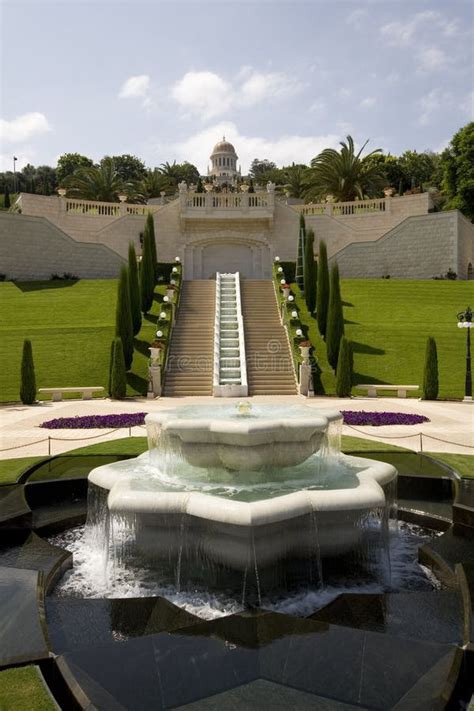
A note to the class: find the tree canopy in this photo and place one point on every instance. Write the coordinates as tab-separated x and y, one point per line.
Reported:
343	174
458	171
68	163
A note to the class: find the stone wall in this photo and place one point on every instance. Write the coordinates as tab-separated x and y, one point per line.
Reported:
465	254
419	248
31	248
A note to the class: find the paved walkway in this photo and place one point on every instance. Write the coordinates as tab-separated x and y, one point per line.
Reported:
451	422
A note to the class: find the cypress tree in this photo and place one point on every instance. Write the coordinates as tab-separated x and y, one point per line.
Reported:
28	379
335	323
251	187
322	297
111	361
6	198
300	277
150	226
430	376
344	369
123	317
134	289
147	276
118	376
309	272
199	186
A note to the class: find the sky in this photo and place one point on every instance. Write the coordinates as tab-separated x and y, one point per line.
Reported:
165	80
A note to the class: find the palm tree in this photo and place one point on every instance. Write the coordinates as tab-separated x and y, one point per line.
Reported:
294	175
344	175
154	183
96	183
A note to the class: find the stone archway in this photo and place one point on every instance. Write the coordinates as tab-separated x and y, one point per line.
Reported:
203	258
231	257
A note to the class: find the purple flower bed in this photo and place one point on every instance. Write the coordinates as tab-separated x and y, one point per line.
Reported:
378	419
131	419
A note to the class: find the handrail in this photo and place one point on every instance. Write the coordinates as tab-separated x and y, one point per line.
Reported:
240	321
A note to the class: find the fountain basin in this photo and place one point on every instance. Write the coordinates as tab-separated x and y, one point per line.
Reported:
213	437
230	532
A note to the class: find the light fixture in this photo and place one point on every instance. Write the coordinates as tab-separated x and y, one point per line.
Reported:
159	334
465	321
175	270
163	316
279	270
294	314
291	297
166	299
283	281
299	332
277	259
177	259
172	281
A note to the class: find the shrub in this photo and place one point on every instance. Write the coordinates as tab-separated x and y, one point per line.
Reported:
344	369
335	323
118	376
134	289
150	228
309	272
123	317
28	379
147	272
300	280
322	298
430	376
6	199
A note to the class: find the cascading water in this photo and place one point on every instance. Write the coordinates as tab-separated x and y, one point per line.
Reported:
250	500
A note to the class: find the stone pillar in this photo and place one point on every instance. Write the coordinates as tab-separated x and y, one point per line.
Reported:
154	380
183	195
305	378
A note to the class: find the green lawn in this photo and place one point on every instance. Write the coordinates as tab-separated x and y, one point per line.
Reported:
71	326
22	689
11	469
389	323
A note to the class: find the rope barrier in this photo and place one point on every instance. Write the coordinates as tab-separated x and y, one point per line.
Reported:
446	441
415	434
19	446
80	439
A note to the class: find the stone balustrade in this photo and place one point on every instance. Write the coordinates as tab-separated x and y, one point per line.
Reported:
403	206
95	208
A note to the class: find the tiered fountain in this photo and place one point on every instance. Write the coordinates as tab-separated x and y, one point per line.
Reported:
247	498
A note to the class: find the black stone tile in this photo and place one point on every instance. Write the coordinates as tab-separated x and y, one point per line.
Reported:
193	668
434	689
14	510
260	695
78	623
117	676
429	616
22	626
34	553
454	546
391	666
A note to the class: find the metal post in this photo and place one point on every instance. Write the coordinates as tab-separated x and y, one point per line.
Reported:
468	387
49	446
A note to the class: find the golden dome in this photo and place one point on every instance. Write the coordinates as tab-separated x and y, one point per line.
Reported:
224	147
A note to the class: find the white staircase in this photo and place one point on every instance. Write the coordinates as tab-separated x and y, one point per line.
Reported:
230	369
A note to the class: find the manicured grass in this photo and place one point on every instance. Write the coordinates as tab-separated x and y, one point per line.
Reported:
12	469
71	326
463	463
22	688
409	463
389	323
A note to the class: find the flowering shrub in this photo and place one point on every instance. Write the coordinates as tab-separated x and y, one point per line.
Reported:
378	419
85	422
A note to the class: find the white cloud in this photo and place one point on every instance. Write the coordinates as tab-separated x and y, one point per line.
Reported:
318	107
467	105
203	93
430	103
400	34
283	150
24	127
25	155
432	58
209	95
135	87
357	18
368	102
259	87
344	93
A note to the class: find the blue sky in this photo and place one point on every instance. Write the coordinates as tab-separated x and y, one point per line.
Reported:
165	80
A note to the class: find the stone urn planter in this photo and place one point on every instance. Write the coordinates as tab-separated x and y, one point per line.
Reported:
389	192
170	289
155	352
286	290
305	347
